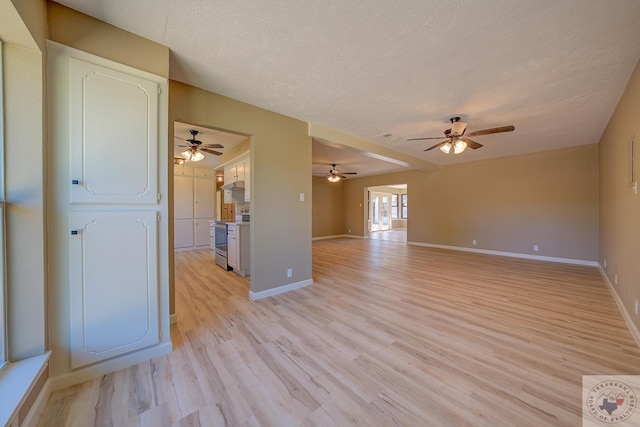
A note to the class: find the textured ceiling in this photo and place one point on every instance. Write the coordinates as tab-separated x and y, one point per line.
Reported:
554	69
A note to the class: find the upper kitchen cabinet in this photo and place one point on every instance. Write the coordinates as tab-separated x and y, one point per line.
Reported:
238	170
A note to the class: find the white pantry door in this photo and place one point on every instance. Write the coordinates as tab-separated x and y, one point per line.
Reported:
114	284
108	209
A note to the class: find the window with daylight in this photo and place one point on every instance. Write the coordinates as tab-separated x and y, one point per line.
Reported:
404	206
3	310
394	206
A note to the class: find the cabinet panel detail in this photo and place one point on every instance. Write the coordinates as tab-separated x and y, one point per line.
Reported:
113	136
113	284
183	230
205	197
183	197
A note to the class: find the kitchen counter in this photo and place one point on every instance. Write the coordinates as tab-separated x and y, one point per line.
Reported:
233	222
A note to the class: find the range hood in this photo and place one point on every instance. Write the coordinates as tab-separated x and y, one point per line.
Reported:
234	186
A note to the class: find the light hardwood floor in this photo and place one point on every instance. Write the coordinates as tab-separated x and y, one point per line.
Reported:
388	334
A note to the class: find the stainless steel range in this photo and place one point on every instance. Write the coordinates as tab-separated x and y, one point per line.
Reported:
221	244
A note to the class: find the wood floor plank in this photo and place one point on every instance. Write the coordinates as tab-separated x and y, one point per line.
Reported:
389	334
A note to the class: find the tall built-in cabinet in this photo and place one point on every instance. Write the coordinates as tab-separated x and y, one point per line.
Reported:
107	211
193	205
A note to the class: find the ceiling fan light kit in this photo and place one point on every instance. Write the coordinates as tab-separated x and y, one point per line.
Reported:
456	138
458	147
335	175
179	161
192	155
195	149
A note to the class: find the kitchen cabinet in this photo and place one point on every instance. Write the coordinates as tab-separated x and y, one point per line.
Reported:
238	170
194	206
238	247
182	170
232	247
234	172
247	179
201	232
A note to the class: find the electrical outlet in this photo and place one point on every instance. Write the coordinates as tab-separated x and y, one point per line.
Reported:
615	279
474	242
302	197
349	230
605	263
535	248
289	272
636	308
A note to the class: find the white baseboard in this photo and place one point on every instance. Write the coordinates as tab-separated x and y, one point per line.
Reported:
635	333
173	318
280	289
31	420
338	236
109	366
510	254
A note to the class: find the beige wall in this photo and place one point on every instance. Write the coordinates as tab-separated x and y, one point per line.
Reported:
280	172
72	28
509	204
327	208
619	206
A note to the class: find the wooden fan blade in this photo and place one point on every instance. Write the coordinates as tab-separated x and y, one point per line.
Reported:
470	143
184	146
349	173
437	145
206	150
213	145
429	137
492	130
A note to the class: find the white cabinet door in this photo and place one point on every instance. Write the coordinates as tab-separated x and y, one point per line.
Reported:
182	197
229	174
113	284
113	136
202	232
182	170
247	180
240	171
183	233
211	173
204	197
232	251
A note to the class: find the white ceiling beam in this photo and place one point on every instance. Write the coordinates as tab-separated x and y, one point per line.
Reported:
338	139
